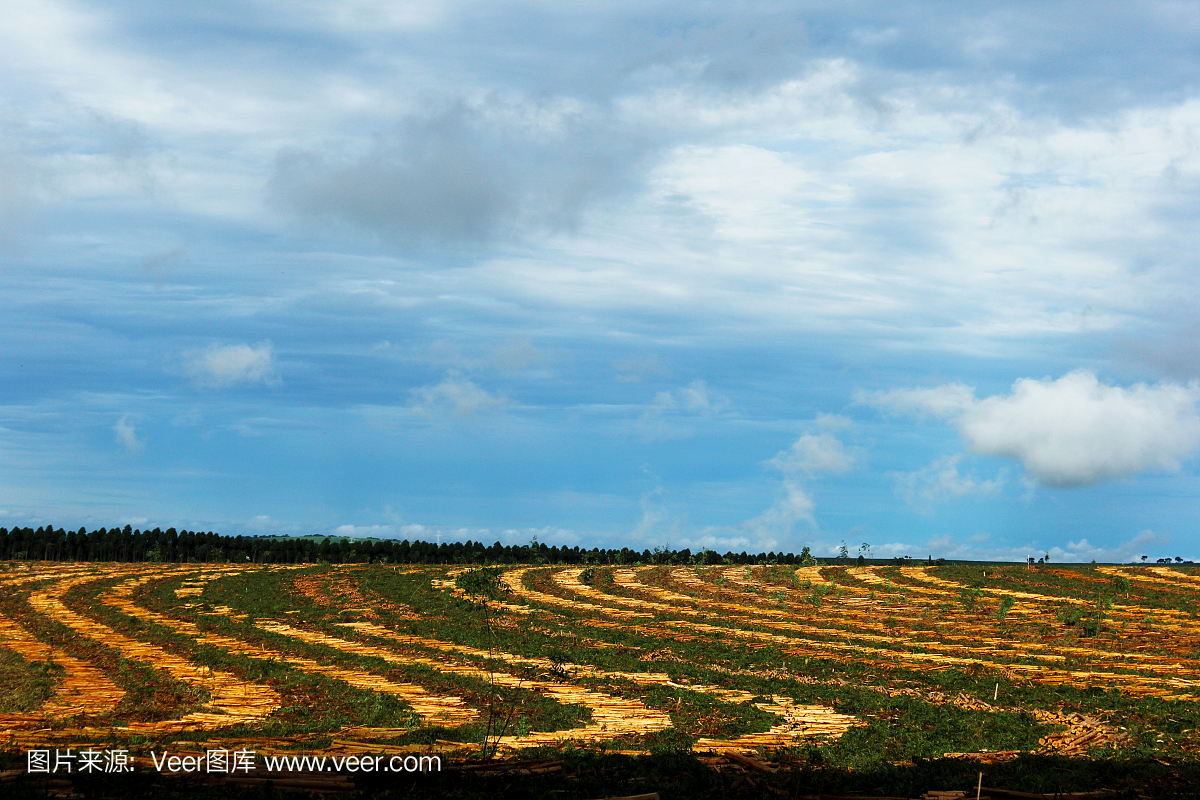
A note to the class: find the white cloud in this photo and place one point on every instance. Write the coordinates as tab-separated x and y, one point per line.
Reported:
232	364
660	420
364	531
1074	431
695	398
657	525
814	454
794	505
1146	543
941	480
455	395
809	456
722	544
127	436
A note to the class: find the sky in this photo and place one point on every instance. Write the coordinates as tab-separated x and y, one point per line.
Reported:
920	278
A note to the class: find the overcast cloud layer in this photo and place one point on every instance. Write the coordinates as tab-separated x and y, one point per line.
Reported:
919	275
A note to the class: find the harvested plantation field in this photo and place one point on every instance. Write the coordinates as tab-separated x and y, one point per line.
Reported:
857	668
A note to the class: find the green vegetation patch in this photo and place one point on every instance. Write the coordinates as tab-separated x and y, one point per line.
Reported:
26	685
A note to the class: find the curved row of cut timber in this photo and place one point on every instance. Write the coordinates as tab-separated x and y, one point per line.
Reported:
918	580
612	717
84	689
677	607
568	579
856	618
232	700
434	709
968	632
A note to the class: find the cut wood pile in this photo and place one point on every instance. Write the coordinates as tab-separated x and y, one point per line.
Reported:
799	722
1083	733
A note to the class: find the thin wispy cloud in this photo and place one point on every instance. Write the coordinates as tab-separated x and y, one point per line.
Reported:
695	398
942	481
468	173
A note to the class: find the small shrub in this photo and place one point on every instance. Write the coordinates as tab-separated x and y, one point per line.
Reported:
1069	615
480	582
1005	606
969	597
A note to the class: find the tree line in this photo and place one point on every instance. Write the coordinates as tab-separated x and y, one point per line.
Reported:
205	547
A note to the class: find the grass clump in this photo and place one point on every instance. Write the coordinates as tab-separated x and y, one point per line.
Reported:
26	685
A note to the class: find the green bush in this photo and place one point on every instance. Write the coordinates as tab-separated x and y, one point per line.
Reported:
1069	615
1005	606
480	582
969	597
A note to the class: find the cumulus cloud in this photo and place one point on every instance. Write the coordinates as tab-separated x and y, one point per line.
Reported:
455	395
940	481
658	524
814	454
1073	431
220	366
127	436
1076	431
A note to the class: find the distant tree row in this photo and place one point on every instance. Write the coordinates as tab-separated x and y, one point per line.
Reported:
172	546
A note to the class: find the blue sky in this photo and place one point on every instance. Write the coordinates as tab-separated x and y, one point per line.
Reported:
918	275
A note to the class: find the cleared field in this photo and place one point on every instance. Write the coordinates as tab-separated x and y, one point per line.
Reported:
851	665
